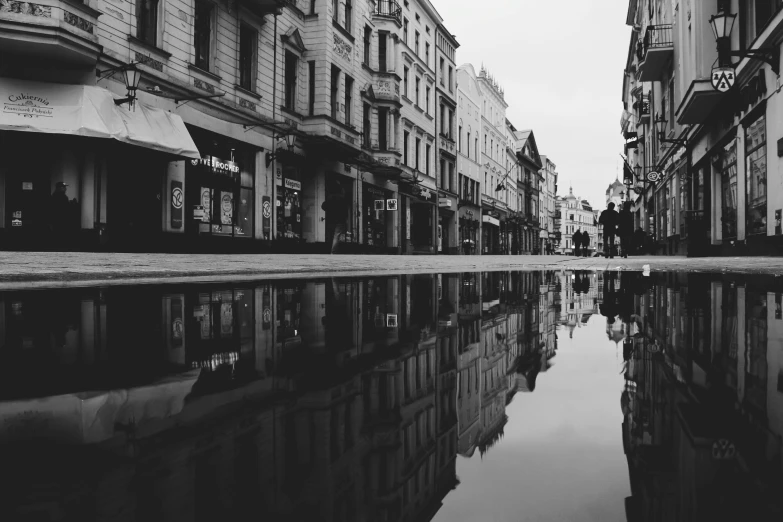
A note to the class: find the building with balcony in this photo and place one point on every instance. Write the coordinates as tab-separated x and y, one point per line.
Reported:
709	147
496	189
529	161
449	132
549	208
469	166
576	216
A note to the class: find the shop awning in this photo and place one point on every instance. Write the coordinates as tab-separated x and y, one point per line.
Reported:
87	110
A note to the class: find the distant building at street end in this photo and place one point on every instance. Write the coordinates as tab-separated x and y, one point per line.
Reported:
576	214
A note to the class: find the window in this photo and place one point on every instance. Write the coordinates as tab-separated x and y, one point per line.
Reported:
348	99
405	31
428	150
405	82
248	43
311	88
366	125
756	177
443	183
335	10
451	176
728	167
291	64
202	34
367	39
459	139
427	53
383	129
418	152
440	71
755	15
312	6
348	15
451	124
418	87
382	52
405	137
147	21
442	119
416	43
476	155
427	100
468	143
335	86
451	85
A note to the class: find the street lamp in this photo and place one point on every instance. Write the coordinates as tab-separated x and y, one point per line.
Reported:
660	125
722	24
131	75
290	141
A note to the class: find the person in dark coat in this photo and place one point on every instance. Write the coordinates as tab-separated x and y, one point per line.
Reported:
577	239
337	210
585	244
625	228
609	220
639	239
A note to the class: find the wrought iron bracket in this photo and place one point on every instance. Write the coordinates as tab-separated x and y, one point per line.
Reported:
768	55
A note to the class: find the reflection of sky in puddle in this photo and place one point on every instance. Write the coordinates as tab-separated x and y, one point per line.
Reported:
461	397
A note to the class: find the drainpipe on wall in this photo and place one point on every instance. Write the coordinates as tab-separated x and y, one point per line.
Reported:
273	202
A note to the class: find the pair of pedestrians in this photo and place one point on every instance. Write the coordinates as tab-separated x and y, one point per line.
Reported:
581	242
617	224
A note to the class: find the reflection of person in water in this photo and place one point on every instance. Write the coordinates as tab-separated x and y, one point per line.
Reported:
609	304
337	320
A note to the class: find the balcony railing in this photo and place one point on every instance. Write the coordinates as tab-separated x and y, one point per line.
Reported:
389	9
657	36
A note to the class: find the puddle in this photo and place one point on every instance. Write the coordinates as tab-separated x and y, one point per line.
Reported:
565	395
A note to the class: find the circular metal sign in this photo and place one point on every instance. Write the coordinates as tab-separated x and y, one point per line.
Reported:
653	176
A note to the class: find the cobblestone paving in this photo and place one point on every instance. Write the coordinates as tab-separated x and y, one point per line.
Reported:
36	269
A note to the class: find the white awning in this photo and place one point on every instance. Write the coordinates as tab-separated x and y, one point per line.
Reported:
87	110
491	220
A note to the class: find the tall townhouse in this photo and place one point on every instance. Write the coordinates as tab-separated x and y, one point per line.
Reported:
709	146
495	181
513	192
469	164
576	215
155	114
449	133
549	172
530	162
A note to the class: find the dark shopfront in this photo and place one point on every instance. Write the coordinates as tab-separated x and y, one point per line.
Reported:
469	227
419	220
219	196
378	206
493	232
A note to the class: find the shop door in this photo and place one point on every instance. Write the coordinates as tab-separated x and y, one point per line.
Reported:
134	192
28	188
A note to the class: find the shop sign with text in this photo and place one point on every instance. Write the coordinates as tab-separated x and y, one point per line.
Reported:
292	184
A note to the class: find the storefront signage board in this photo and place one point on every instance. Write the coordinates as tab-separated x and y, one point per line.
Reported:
217	165
27	185
266	216
292	184
177	202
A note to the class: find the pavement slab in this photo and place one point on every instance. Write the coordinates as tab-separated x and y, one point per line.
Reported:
53	269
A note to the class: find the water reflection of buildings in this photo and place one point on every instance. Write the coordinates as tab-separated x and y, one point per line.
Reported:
578	297
703	401
327	400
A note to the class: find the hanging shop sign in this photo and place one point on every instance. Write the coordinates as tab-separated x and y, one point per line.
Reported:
391	204
491	220
723	78
216	165
653	176
444	202
177	202
266	216
292	184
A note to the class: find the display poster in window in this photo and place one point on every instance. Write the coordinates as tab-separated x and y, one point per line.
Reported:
778	230
226	319
266	216
226	208
391	204
380	204
206	203
408	223
177	323
177	202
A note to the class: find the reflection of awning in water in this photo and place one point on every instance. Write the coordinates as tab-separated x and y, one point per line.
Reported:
90	111
90	417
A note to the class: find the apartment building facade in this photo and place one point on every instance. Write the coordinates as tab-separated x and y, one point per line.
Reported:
710	193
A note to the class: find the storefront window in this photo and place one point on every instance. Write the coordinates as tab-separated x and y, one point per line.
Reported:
728	166
756	177
220	193
684	199
289	205
374	201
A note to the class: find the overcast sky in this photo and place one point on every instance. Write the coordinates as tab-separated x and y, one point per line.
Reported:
561	66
